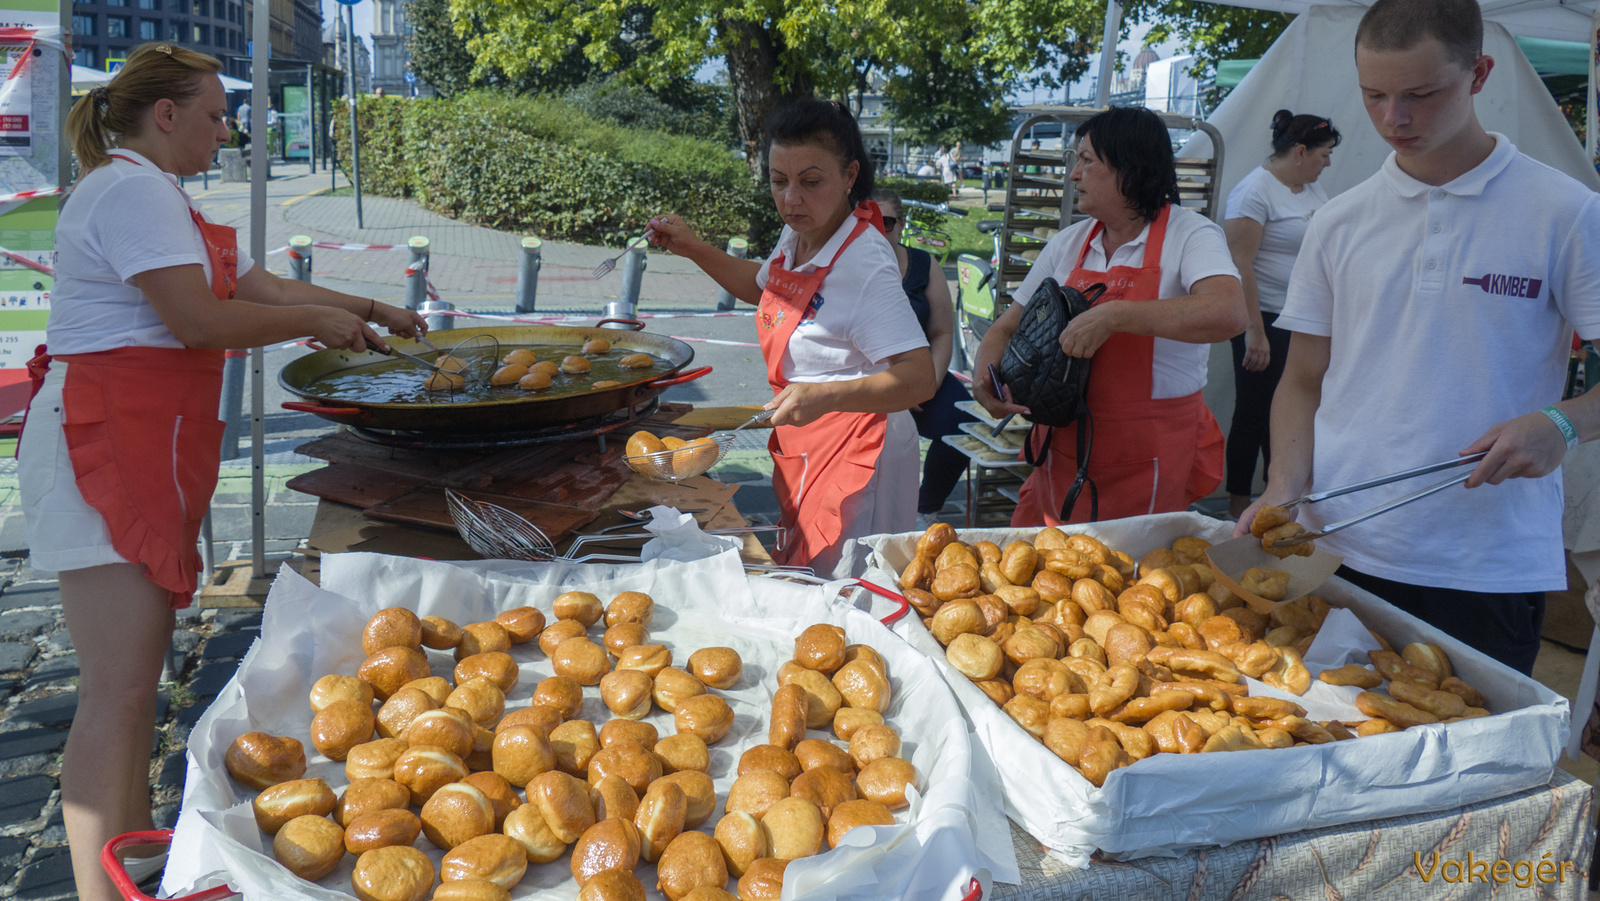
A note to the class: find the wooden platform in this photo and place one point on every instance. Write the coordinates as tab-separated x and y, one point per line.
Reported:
559	486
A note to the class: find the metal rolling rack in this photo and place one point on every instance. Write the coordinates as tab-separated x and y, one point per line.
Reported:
1041	199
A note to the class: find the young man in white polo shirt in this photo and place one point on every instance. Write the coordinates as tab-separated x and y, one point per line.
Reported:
1432	307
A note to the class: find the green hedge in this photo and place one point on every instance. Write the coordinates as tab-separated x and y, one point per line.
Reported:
536	165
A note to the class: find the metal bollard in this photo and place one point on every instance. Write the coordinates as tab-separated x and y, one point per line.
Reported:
232	401
528	274
300	258
633	263
737	247
617	309
433	314
417	273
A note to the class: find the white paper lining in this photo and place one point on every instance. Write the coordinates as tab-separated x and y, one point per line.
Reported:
955	830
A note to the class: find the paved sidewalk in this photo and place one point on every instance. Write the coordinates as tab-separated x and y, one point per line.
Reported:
471	266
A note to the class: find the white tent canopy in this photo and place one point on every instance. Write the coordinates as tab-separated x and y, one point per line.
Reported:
86	79
1561	20
1311	69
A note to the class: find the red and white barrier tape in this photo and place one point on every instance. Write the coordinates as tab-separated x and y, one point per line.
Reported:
21	260
30	195
335	245
531	321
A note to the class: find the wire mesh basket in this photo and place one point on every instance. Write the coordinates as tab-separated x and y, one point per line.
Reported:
690	460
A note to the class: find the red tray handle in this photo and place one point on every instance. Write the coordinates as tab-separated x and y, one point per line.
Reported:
637	325
303	407
681	378
112	861
974	891
905	605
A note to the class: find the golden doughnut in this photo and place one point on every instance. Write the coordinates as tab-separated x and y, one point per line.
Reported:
260	760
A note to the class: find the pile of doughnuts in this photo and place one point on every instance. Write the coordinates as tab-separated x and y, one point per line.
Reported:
498	791
1107	660
795	793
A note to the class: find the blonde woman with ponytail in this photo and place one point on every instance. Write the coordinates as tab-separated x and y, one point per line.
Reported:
120	452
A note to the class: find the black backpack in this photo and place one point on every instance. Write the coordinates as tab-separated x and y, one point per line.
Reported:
1053	386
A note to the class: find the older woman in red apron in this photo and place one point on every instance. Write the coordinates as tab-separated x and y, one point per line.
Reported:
844	354
1171	290
119	454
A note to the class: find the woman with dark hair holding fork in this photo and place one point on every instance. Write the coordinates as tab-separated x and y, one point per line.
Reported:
845	356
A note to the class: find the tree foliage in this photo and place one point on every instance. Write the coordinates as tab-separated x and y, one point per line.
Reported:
439	55
1211	32
946	64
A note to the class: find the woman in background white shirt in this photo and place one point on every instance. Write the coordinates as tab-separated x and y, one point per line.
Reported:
1266	219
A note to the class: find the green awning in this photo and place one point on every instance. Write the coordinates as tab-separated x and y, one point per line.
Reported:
1549	59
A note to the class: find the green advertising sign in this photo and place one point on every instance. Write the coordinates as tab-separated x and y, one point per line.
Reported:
296	118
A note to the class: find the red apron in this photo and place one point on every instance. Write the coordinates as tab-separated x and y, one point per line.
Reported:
1150	456
816	467
142	431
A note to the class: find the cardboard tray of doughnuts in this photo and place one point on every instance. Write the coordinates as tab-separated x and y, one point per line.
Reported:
1169	802
949	835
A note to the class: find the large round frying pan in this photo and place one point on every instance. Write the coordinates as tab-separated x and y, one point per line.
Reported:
516	413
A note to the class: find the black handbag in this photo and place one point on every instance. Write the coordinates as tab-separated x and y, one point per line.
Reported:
1053	386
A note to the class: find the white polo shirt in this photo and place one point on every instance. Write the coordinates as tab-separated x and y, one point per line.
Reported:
1450	309
1283	215
859	317
121	219
1194	249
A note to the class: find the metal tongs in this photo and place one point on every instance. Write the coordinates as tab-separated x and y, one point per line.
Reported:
1382	508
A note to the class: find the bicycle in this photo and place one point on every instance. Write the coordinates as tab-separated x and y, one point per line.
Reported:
977	293
924	233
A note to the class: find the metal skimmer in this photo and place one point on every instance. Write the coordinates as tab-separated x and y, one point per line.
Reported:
499	534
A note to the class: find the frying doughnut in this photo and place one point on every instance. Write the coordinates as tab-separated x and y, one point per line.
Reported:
574	365
637	361
508	374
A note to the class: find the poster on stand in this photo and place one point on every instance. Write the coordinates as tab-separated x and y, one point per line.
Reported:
33	51
296	118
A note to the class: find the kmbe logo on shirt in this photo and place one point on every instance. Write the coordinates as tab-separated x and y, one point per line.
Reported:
1506	285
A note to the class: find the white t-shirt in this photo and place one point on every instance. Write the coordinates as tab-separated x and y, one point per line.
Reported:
1194	249
122	219
1283	215
1450	310
858	319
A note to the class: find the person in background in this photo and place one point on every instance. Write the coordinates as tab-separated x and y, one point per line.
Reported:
929	295
844	354
1267	214
1433	307
119	455
242	116
947	168
1173	290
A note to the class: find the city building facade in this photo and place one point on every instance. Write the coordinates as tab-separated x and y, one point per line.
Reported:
336	56
103	31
